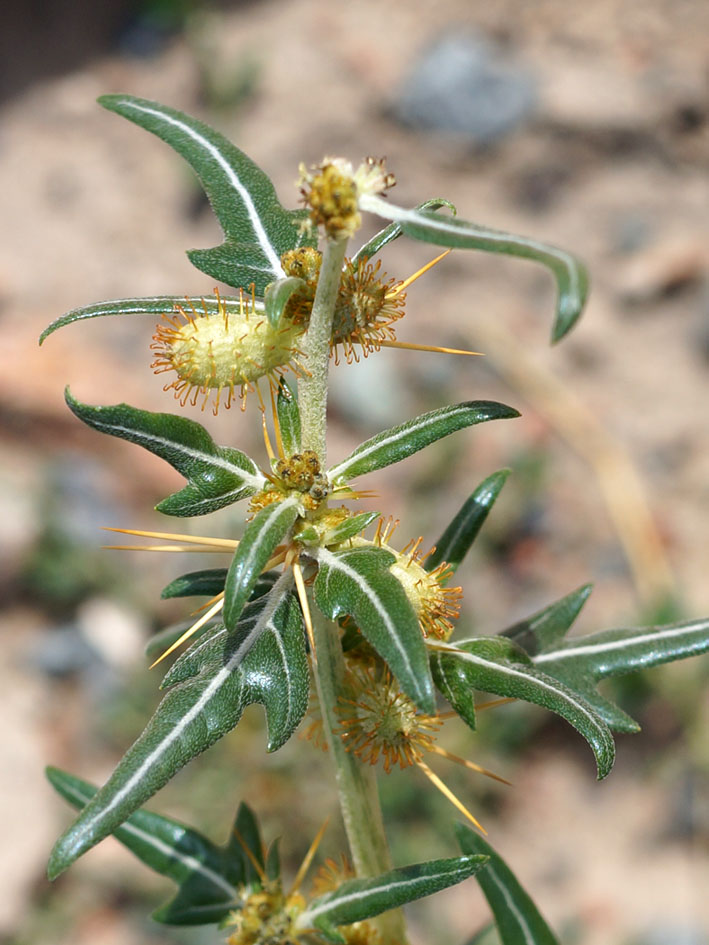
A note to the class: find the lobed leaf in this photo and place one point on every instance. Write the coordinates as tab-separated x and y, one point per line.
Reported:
262	661
216	475
288	414
257	229
518	920
583	662
570	274
549	625
207	875
184	909
261	537
360	899
497	665
393	445
357	582
156	305
455	542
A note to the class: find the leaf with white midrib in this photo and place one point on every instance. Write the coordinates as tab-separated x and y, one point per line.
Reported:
258	230
360	899
518	920
261	537
155	305
454	232
229	673
216	475
399	442
357	582
520	680
582	662
165	845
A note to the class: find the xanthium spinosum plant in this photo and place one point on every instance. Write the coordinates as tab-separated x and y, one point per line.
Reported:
306	596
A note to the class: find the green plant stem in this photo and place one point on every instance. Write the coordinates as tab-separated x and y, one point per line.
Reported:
356	782
312	389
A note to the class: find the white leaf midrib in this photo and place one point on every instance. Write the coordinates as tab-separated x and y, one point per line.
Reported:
388	211
210	690
258	228
598	649
334	563
338	471
211	459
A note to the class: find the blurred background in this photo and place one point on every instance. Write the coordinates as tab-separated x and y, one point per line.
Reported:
586	125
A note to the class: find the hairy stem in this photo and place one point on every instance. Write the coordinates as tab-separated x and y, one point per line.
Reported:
316	348
357	784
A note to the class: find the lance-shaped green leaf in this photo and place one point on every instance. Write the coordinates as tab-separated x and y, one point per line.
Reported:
261	537
216	475
454	233
288	418
518	920
262	661
455	542
257	229
393	232
207	583
349	528
393	445
278	295
211	582
549	625
357	582
583	662
360	899
208	877
497	665
155	305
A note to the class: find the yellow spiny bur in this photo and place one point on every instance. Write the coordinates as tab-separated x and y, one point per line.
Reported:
222	351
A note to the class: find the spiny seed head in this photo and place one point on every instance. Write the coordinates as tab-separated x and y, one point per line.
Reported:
222	350
366	308
378	719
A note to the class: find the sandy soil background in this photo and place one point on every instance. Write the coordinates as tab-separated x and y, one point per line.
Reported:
607	155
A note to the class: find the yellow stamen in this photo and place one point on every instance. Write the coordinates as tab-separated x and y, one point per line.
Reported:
467	764
305	865
438	349
407	282
446	791
192	630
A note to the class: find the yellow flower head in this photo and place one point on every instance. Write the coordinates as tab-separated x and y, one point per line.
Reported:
332	191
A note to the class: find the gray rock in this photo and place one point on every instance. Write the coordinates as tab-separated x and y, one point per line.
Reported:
464	86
